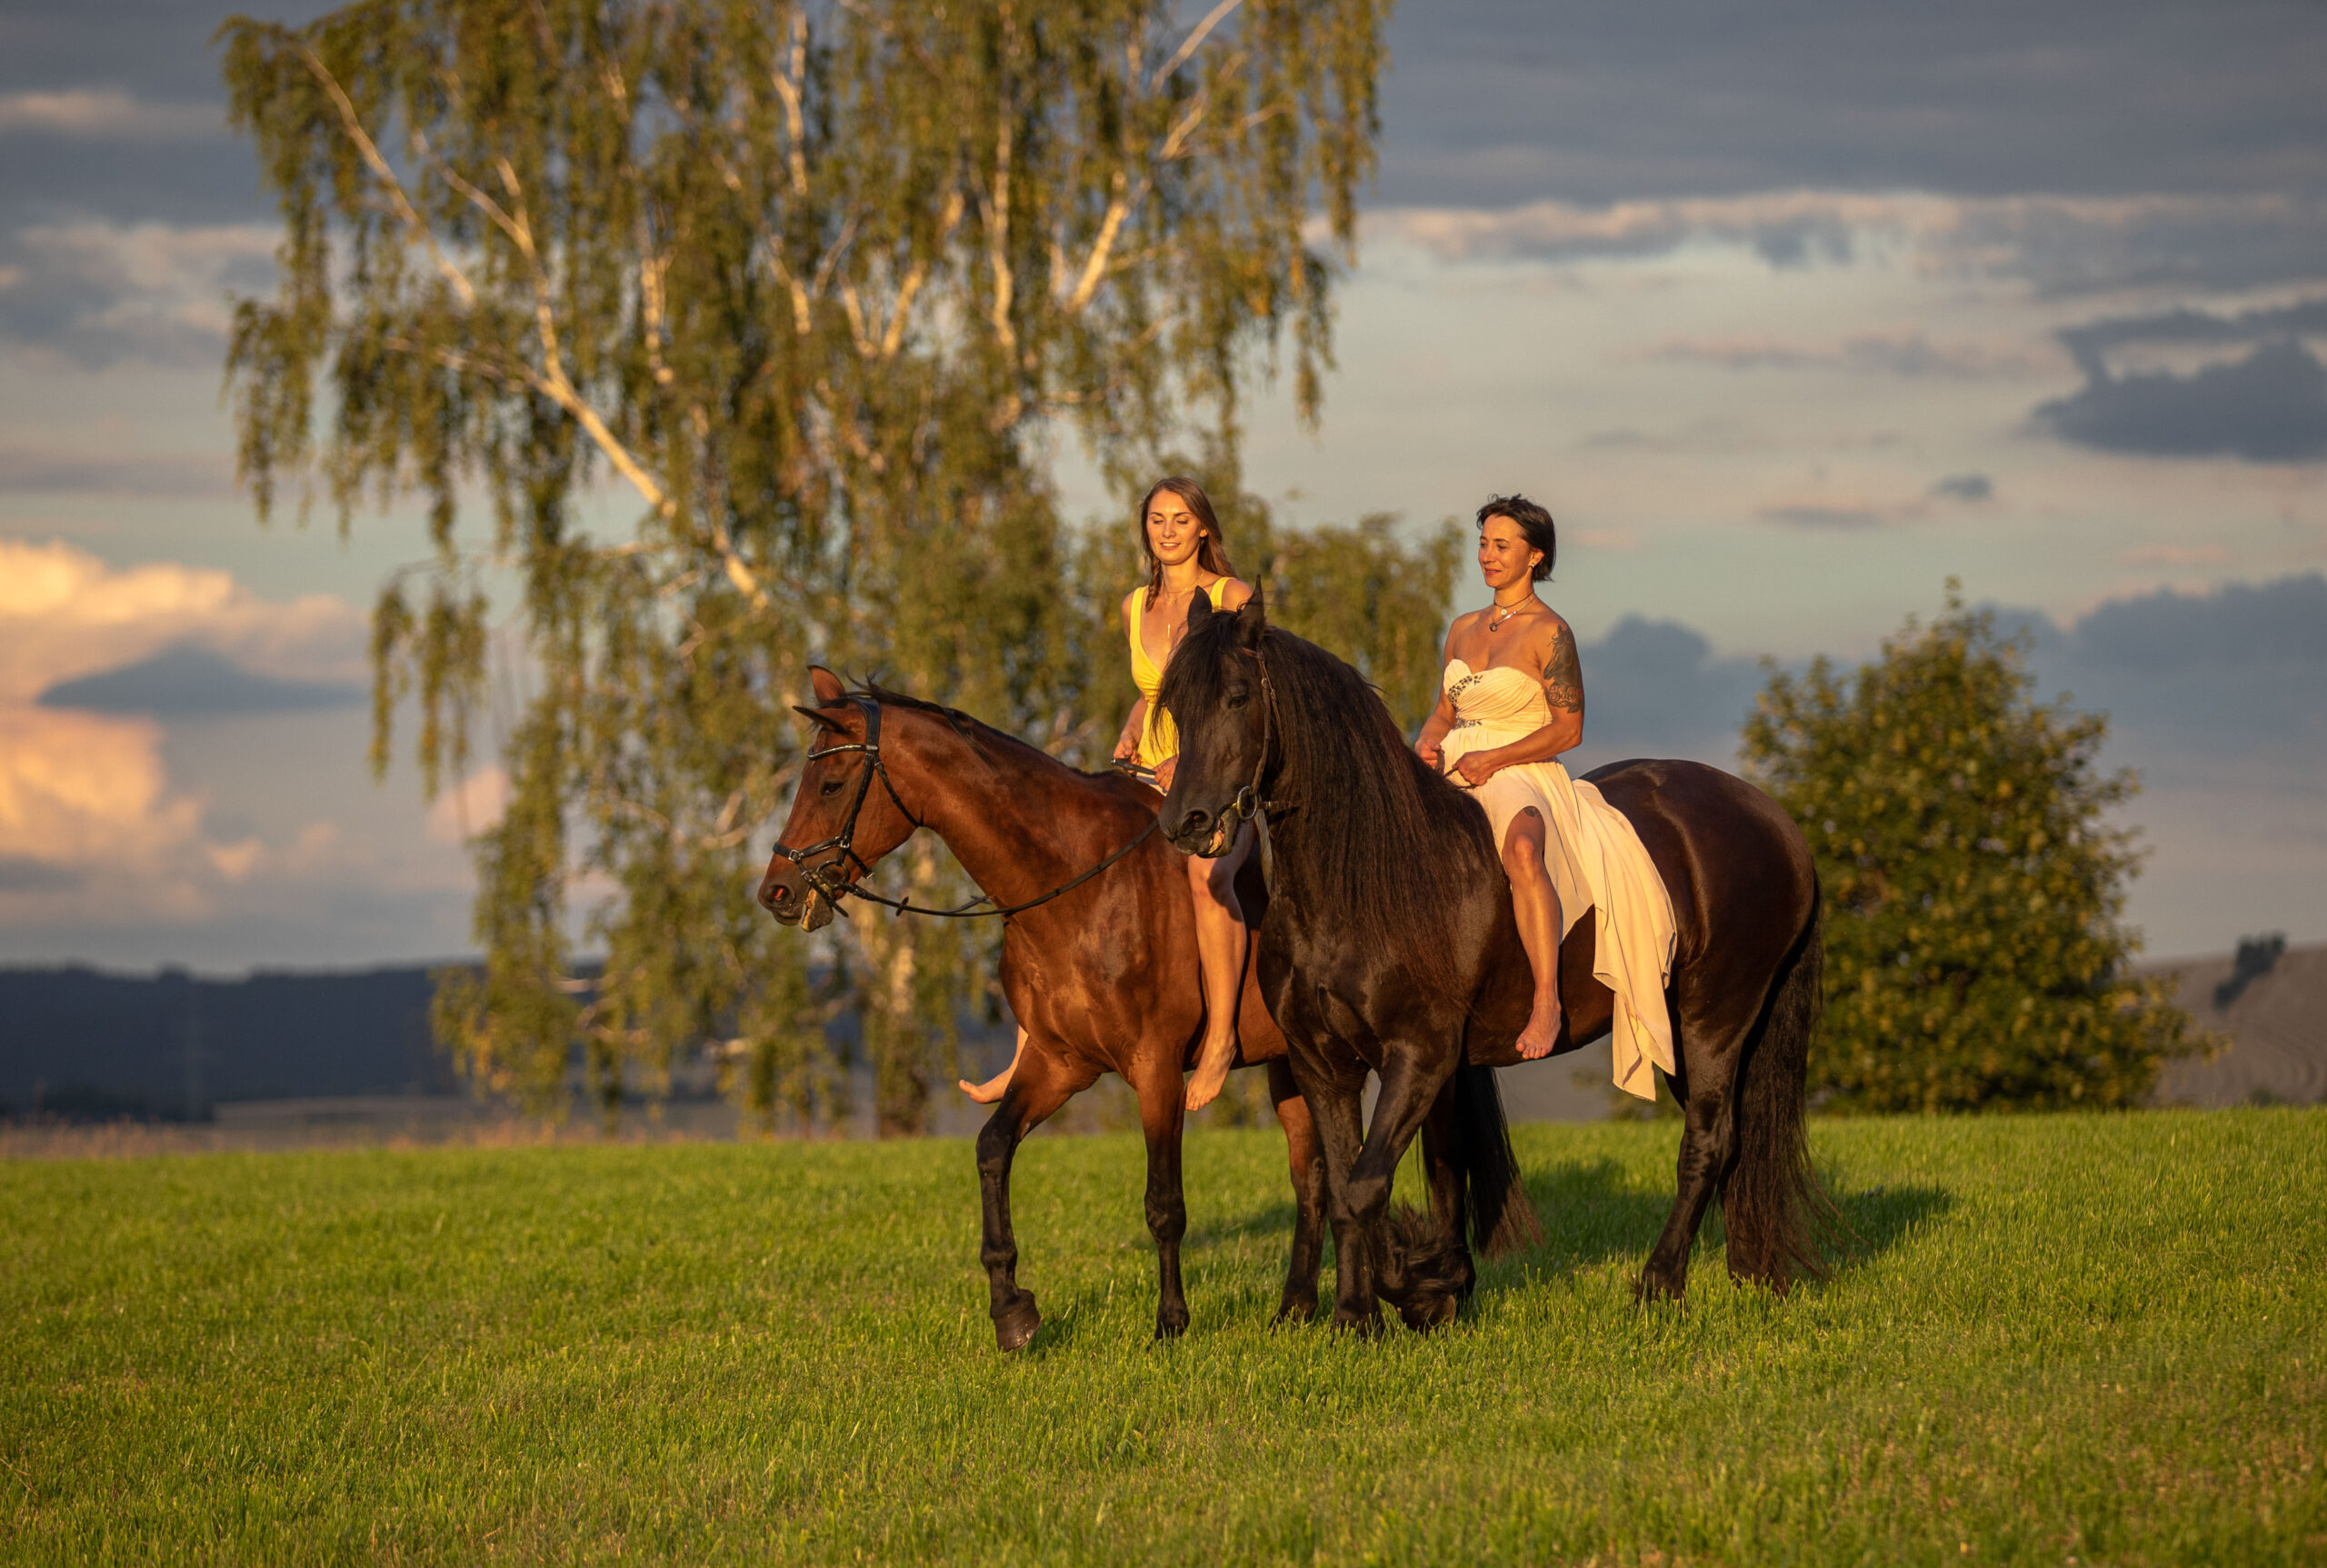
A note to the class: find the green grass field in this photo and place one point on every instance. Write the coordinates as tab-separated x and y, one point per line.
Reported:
2063	1340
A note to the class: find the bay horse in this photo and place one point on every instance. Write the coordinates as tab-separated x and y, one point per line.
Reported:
1389	944
1098	961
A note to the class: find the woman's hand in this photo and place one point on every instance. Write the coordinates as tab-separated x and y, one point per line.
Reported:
1163	772
1477	767
1427	749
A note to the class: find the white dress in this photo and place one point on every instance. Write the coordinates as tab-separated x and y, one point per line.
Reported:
1592	854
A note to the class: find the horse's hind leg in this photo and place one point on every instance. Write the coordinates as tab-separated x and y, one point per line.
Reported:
1707	1089
1307	1157
1039	1087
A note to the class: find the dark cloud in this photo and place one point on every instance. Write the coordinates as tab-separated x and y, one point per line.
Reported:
2189	681
1967	487
100	292
1654	688
27	471
19	873
2194	681
2092	342
2270	406
1498	102
189	680
2234	627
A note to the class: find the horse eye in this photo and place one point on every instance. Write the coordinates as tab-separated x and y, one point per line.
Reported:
1237	699
831	786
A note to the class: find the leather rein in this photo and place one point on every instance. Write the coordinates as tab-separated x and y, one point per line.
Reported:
821	879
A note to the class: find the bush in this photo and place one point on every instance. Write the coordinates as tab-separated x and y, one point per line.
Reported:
1974	957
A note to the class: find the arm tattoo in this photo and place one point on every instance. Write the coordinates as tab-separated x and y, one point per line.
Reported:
1562	675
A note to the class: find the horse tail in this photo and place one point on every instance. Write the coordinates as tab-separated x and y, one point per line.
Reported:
1771	1204
1503	1219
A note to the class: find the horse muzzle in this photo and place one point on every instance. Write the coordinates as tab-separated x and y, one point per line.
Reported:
787	895
1208	836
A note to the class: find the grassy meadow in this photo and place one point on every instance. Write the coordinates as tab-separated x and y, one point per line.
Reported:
2091	1340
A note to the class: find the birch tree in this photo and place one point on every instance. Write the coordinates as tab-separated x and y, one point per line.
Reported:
802	297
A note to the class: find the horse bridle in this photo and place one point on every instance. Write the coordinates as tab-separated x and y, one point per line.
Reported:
1248	806
821	879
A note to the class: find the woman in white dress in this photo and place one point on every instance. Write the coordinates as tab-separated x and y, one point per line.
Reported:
1511	702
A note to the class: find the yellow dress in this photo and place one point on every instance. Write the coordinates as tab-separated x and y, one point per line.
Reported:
1158	737
1592	854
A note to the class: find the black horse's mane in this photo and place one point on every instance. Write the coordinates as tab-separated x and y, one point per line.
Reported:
1390	843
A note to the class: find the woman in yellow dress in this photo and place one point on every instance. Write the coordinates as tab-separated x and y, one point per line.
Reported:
1187	554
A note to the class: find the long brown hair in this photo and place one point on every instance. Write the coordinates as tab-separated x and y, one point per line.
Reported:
1212	550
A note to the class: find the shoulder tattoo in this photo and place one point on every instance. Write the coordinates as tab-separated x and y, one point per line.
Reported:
1563	674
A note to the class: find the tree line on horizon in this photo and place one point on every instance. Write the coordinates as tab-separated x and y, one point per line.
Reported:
826	287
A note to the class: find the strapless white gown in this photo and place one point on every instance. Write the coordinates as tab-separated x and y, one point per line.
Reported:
1593	854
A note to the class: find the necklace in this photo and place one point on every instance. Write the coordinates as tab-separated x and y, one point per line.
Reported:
1505	613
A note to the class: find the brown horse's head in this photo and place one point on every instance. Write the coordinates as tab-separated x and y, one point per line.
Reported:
842	805
1214	690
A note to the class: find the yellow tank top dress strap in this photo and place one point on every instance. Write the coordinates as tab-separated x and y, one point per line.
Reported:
1158	737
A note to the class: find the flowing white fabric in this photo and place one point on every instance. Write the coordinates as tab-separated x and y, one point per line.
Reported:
1594	857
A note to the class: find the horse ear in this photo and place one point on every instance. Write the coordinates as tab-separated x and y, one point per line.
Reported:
1251	620
829	687
822	721
1199	610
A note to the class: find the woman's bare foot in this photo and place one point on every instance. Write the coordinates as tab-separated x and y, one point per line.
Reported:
992	1089
1542	1034
1212	1072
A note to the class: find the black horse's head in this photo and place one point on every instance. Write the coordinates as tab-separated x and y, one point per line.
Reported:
841	821
1215	689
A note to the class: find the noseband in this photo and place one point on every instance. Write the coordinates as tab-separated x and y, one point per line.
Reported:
822	879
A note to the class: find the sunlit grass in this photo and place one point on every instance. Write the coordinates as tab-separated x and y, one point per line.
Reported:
2089	1338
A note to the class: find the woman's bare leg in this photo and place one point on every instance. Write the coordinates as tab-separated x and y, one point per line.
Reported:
1536	902
988	1093
1223	945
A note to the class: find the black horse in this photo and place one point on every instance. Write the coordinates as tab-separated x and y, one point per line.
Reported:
1390	944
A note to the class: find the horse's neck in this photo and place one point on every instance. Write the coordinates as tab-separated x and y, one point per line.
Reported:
998	817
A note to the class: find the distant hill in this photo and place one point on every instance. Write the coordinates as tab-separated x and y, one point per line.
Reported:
81	1043
2277	1022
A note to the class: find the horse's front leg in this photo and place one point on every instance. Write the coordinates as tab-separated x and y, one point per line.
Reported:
1335	1092
1040	1086
1161	1112
1306	1156
1411	1084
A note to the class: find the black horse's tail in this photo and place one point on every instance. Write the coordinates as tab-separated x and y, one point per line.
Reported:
1772	1204
1502	1220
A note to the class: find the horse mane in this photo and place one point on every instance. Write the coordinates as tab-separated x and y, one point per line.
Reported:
977	731
1390	843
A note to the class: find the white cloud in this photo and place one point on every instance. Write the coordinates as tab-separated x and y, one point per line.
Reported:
107	114
64	613
471	807
91	827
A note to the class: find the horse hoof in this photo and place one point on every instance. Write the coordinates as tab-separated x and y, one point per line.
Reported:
1428	1312
1365	1325
1171	1325
1014	1328
1654	1286
1295	1309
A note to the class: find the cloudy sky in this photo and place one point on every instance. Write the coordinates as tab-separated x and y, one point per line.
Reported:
1789	311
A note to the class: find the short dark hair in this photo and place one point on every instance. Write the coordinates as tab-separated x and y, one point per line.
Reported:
1534	522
